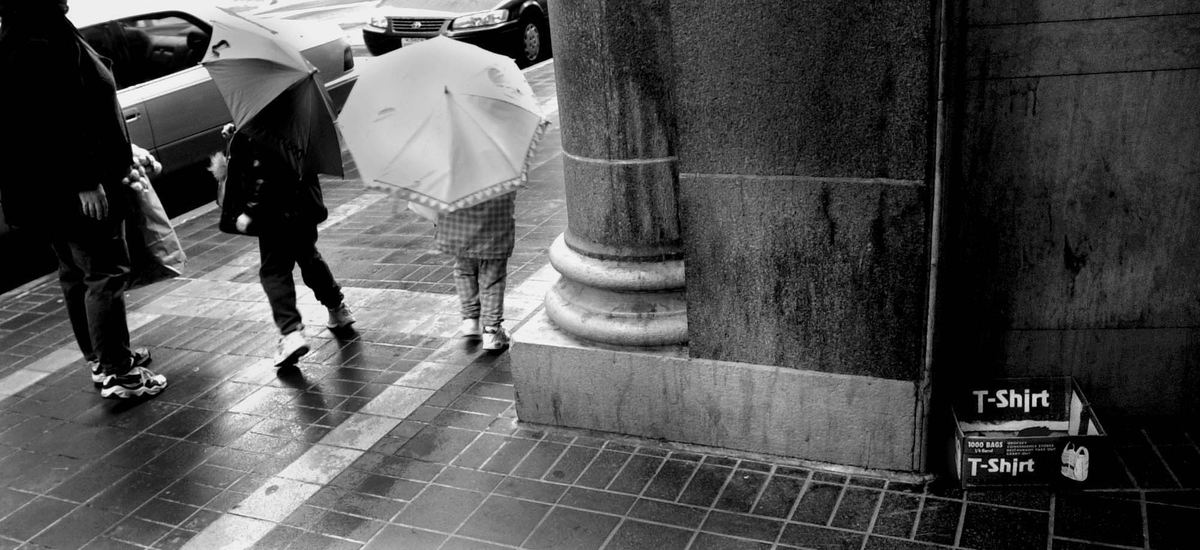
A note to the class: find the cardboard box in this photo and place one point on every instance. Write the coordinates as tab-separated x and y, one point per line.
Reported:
1028	431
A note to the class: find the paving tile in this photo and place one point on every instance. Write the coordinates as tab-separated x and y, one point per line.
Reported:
165	511
539	460
368	506
1172	527
897	514
400	536
1149	472
742	490
1098	519
817	503
670	480
709	541
574	529
882	543
635	475
510	453
439	444
138	531
994	528
671	514
856	509
130	493
603	469
76	528
439	509
779	496
463	543
530	489
636	535
599	501
87	483
744	526
1184	462
811	536
939	520
504	520
471	480
346	526
571	464
705	485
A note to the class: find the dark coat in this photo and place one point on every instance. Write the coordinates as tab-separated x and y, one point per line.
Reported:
63	128
263	186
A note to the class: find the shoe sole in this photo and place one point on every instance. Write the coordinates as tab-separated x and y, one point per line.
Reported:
336	327
98	379
292	357
126	393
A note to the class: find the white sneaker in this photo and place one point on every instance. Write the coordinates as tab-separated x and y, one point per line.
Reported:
494	338
340	317
291	348
469	328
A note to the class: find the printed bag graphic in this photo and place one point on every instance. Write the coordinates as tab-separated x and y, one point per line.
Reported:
1075	462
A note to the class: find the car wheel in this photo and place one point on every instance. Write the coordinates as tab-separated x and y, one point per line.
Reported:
532	43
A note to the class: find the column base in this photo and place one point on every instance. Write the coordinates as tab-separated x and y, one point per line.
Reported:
661	393
625	303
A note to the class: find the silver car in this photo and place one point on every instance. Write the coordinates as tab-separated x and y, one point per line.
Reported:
171	106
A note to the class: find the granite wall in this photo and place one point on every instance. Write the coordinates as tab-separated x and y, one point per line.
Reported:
804	157
1073	245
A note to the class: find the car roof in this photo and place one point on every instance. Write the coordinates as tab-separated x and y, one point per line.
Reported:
85	13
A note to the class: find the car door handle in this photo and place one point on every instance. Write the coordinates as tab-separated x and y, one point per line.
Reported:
132	117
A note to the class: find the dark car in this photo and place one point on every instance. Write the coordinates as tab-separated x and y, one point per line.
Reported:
516	28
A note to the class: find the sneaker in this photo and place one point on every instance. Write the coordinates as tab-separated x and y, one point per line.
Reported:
141	358
494	338
469	328
291	348
138	382
340	317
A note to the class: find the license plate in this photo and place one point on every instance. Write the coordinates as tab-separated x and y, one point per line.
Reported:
410	41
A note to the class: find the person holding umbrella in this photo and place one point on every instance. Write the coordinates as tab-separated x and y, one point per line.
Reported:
452	128
284	136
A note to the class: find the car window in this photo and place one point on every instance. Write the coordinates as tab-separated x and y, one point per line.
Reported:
144	48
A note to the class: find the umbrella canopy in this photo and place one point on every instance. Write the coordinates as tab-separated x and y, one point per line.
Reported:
442	123
273	94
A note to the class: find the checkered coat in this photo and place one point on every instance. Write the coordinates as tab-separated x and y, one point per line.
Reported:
484	231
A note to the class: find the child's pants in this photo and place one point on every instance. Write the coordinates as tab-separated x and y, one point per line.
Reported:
480	285
281	251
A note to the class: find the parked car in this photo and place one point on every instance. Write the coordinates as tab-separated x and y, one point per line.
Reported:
171	106
517	28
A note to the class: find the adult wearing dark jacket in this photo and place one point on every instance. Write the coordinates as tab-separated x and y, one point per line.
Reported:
267	198
63	161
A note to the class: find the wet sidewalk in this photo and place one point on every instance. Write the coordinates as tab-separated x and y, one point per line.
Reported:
404	436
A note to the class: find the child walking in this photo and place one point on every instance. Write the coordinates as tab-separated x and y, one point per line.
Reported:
265	197
481	239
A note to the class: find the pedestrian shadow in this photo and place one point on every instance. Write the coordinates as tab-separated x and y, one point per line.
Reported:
310	400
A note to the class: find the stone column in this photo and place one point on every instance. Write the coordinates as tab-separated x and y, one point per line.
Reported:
621	257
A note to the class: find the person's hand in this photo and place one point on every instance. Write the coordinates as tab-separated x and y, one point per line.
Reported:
148	165
227	130
136	179
94	203
243	222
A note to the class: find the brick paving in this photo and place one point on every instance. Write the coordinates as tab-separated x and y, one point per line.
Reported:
402	436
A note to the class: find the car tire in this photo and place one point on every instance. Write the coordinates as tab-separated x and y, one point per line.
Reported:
532	42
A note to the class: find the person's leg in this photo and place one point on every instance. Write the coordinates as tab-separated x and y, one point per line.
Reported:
314	270
275	275
466	281
70	279
99	270
493	277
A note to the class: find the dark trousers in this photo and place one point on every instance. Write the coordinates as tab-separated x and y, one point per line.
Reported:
281	251
93	271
